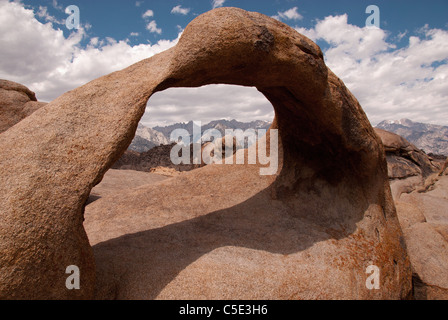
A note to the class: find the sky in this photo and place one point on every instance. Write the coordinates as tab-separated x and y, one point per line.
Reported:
399	70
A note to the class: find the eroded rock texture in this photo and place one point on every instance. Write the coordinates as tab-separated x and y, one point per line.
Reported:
16	103
421	201
219	231
404	159
424	220
409	168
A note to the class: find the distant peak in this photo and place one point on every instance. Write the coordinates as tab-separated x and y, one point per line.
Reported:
406	122
403	122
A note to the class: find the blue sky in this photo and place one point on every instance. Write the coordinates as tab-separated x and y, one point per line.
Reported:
118	19
397	71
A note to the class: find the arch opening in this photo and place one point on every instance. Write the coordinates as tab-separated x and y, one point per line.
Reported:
211	113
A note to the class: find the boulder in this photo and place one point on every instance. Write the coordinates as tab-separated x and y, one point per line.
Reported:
421	202
404	159
16	103
424	220
409	168
228	145
308	232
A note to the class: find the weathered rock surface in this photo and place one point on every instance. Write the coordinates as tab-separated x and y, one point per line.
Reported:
166	172
16	103
409	168
119	181
308	232
424	220
422	206
404	159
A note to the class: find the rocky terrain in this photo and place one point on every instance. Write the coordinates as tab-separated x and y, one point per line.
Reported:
428	137
156	157
221	231
409	168
423	217
147	138
420	192
161	157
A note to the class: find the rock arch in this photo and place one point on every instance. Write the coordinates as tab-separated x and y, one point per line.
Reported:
333	165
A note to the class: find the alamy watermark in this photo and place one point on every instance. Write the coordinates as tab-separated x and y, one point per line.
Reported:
73	281
374	19
373	280
73	20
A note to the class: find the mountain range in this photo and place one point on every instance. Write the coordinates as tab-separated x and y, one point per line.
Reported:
148	138
431	138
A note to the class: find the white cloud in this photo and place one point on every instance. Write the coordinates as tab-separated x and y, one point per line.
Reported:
40	57
138	3
57	6
94	41
152	27
291	14
134	34
87	26
390	83
218	3
148	14
178	9
43	13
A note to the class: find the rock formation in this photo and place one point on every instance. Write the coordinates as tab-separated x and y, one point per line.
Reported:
429	137
404	159
409	168
228	146
424	220
160	157
146	138
119	181
311	231
445	166
16	103
421	204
